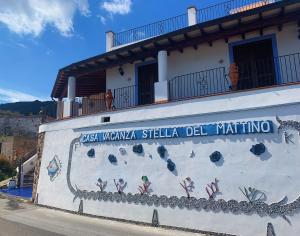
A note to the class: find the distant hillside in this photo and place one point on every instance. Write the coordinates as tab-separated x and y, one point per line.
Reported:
29	108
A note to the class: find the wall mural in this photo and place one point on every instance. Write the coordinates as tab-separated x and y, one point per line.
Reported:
288	125
258	149
253	195
112	159
288	138
91	153
212	189
285	126
54	168
215	156
120	185
101	184
254	205
145	187
188	185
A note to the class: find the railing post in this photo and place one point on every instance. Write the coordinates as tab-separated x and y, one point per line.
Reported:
110	36
192	15
161	87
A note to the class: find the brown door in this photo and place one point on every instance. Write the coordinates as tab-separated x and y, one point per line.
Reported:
147	76
256	64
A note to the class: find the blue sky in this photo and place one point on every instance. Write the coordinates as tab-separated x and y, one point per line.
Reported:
38	37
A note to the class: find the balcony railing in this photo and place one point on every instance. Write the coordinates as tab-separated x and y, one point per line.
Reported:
252	74
151	30
87	106
197	84
124	97
230	7
181	21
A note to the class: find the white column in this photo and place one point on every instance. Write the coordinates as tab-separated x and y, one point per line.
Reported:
192	15
59	107
71	88
161	87
71	96
109	40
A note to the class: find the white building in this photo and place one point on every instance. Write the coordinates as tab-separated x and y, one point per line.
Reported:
220	156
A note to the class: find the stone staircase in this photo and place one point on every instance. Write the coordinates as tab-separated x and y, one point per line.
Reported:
28	179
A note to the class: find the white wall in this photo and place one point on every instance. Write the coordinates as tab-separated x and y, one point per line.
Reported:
276	172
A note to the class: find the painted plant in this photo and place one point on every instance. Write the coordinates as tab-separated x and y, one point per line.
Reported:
288	138
145	188
212	189
188	185
101	184
54	168
253	195
120	185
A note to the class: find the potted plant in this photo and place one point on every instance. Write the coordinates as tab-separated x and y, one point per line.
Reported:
234	75
109	99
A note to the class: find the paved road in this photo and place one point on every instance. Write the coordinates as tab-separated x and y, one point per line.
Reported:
21	219
8	228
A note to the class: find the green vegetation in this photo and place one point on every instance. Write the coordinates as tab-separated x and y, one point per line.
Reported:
28	108
6	170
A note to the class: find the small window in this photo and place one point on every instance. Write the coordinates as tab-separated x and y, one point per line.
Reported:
106	119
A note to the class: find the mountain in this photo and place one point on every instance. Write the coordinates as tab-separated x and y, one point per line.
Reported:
30	108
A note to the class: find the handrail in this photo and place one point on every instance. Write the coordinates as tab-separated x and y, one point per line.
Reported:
229	8
197	84
252	74
181	21
150	30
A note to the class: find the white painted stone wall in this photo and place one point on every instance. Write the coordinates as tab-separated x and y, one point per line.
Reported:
207	57
276	172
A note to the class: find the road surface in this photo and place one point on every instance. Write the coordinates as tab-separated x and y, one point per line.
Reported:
22	219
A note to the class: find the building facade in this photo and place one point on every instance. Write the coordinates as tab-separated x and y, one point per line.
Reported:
191	122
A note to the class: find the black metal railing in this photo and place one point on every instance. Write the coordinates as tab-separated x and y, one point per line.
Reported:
125	97
87	106
151	30
203	83
252	74
229	8
178	22
269	71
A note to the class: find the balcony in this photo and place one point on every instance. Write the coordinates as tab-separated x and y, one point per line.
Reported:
258	74
182	21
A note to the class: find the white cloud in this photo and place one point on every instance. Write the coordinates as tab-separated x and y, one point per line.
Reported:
30	17
121	7
8	95
21	45
102	19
